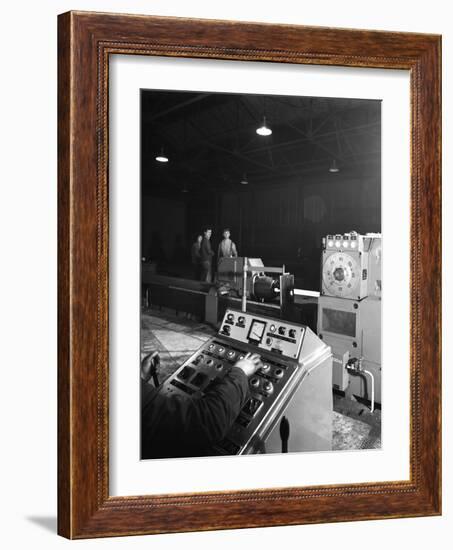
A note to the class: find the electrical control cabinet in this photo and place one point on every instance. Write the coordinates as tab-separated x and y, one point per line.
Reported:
349	308
295	368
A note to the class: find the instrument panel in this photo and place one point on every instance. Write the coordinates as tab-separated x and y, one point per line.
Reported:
269	335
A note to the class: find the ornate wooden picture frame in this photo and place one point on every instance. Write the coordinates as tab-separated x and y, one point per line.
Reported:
85	508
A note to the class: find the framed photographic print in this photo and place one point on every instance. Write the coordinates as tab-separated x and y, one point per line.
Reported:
249	275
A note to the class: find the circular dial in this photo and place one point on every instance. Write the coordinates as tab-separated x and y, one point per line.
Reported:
340	274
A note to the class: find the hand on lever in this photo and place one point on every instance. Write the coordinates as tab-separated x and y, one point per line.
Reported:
250	364
149	365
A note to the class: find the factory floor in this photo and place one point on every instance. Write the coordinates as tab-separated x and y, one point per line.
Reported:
176	337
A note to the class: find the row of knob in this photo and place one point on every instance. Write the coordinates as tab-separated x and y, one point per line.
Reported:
241	319
266	385
221	351
282	331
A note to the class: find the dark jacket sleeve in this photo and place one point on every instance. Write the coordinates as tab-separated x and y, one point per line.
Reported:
176	426
213	414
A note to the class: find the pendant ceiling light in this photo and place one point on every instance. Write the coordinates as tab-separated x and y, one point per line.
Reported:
333	167
161	157
264	130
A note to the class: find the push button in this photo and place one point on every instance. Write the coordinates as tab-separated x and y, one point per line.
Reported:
254	382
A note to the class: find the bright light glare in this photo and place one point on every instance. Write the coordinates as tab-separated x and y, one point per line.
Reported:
264	131
161	158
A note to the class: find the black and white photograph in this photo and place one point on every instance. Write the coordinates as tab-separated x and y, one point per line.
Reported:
261	280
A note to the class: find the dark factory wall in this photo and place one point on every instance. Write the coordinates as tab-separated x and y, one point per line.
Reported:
164	232
282	224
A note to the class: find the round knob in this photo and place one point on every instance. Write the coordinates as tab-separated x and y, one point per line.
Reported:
211	346
241	320
268	341
221	350
292	333
254	382
272	328
265	367
278	373
209	362
231	354
230	317
219	366
268	387
281	330
241	357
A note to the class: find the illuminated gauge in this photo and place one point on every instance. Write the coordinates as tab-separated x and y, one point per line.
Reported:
254	382
268	387
353	244
345	244
272	328
330	244
337	244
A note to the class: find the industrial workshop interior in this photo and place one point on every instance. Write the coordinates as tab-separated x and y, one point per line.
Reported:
261	286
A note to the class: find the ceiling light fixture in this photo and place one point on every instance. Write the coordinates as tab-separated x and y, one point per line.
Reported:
333	167
162	157
264	130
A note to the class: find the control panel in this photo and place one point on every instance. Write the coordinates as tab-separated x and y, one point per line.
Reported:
269	335
277	342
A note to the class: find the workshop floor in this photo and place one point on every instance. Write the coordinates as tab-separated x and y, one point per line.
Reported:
176	337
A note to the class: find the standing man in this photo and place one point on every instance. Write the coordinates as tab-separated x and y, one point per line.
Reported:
227	248
206	254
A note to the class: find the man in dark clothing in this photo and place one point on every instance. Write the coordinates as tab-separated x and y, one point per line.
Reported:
183	426
206	254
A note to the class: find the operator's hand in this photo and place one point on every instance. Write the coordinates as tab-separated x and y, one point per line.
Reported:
146	366
250	364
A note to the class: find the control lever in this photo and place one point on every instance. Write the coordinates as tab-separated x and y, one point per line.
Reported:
154	365
284	434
